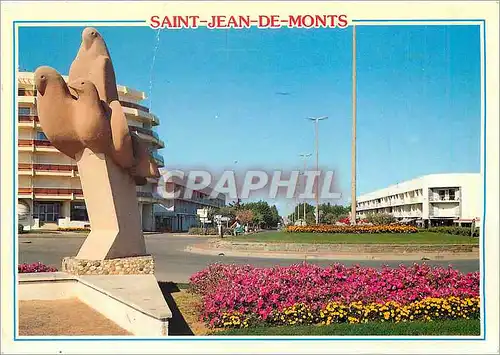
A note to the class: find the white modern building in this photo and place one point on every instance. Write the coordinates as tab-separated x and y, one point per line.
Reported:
430	200
180	213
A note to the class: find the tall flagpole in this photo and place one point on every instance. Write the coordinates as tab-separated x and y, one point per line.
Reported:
353	140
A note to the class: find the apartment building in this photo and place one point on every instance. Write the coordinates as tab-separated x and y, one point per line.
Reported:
178	214
49	190
438	199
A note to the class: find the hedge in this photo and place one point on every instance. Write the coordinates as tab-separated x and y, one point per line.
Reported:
465	231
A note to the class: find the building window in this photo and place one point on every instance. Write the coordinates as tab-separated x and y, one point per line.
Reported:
41	136
452	195
46	211
24	111
79	212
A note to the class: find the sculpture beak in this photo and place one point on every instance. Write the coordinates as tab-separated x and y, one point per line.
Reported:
87	43
41	85
75	92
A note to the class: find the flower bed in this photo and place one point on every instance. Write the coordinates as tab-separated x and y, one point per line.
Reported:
358	229
245	295
347	221
427	309
34	267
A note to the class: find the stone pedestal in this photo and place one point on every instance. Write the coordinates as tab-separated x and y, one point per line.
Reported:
141	265
111	200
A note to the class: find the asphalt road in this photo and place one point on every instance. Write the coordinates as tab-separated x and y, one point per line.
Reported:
172	263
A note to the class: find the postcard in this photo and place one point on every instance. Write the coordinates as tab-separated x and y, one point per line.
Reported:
250	177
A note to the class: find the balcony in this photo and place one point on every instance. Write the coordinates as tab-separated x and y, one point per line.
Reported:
444	212
28	121
134	105
148	134
33	145
158	159
142	111
47	169
437	198
50	193
392	202
139	114
26	92
407	214
145	196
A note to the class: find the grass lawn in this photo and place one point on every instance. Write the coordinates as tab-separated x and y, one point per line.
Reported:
448	327
339	238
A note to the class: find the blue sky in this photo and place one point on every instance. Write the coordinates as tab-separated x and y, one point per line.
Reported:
215	92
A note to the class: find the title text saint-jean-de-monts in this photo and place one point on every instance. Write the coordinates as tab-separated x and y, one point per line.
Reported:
247	21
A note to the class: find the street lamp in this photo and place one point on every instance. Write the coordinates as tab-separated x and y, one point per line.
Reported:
237	198
353	139
316	120
304	157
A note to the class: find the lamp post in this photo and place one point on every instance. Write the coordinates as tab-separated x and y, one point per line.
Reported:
353	141
236	187
304	157
316	121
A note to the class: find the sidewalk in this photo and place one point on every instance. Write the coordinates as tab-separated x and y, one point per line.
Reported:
204	249
53	234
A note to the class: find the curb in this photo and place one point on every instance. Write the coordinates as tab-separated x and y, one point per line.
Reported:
53	235
324	256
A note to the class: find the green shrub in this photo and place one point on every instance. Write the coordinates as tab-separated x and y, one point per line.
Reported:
380	218
208	231
464	231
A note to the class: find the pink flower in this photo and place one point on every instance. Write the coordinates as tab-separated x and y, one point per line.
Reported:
260	291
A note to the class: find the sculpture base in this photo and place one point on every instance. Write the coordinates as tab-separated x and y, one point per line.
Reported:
138	265
111	200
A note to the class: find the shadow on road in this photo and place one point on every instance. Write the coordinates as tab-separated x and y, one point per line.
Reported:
177	325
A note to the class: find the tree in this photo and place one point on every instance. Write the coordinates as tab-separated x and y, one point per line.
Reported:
245	216
275	216
258	219
298	212
380	218
330	218
264	209
227	211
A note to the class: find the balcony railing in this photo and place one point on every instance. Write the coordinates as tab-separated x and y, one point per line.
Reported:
444	198
26	92
28	118
134	105
144	194
143	130
437	212
47	167
49	191
147	132
34	142
158	158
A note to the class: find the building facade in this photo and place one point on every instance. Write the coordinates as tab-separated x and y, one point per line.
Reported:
180	213
431	200
50	195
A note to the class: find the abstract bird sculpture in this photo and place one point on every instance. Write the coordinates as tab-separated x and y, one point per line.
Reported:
84	119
